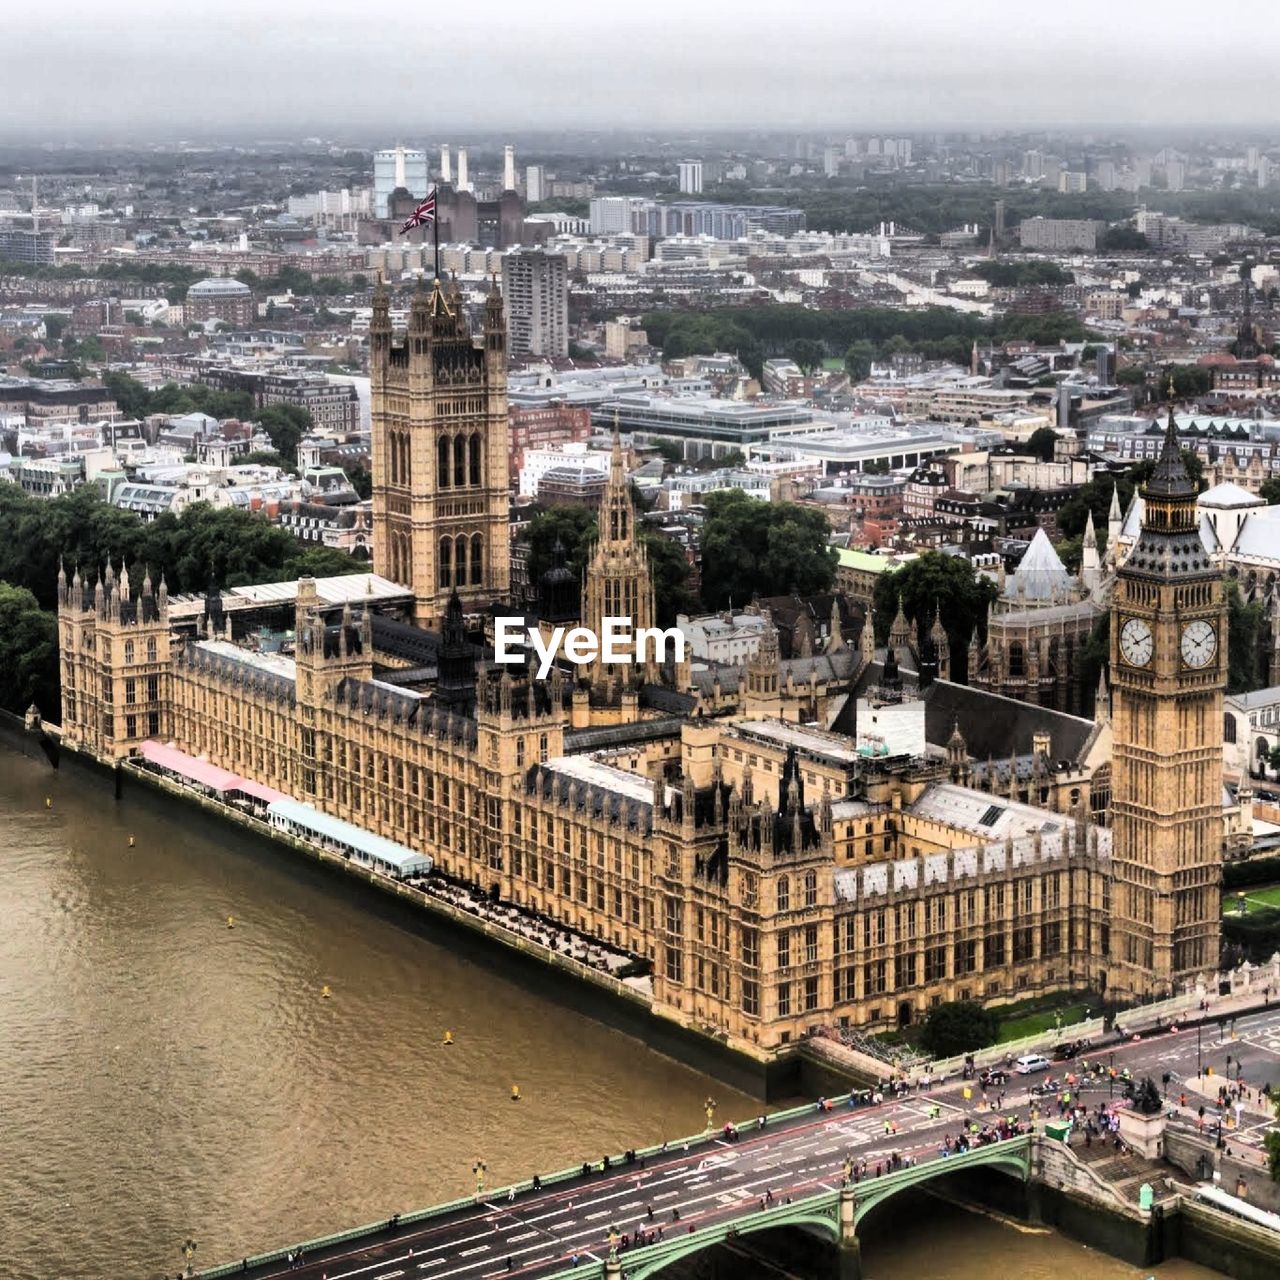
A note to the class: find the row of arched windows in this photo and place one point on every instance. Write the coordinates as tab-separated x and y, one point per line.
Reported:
461	560
398	457
401	555
458	461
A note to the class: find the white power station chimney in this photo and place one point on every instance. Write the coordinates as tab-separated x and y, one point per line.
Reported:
400	178
463	183
446	168
508	168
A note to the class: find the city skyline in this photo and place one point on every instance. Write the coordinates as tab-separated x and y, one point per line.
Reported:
314	69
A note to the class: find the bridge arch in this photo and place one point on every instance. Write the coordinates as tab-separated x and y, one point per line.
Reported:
819	1213
869	1194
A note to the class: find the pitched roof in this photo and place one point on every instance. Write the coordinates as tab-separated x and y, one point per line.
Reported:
1227	494
996	726
1040	574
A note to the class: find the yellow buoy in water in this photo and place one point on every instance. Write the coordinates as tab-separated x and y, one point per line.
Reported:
231	922
325	992
130	842
48	802
448	1038
515	1093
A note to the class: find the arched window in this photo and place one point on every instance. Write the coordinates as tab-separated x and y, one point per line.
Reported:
442	462
784	893
459	461
460	560
475	458
151	649
1263	749
1229	728
477	559
446	561
393	458
404	459
128	650
1017	664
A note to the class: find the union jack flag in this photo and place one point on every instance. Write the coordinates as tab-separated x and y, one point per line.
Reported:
425	213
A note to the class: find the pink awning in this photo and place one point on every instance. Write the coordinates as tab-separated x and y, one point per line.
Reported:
201	771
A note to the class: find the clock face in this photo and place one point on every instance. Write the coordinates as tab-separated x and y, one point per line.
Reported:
1199	643
1136	643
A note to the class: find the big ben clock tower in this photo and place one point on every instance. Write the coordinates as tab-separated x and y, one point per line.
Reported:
1168	668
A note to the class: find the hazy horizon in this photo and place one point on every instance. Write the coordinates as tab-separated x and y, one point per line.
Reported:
141	70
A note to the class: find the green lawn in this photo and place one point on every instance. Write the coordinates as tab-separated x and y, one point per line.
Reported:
1258	899
1045	1020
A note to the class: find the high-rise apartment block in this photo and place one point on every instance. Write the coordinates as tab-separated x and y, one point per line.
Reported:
535	292
394	168
691	177
535	183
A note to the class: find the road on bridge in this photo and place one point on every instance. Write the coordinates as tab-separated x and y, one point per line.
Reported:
713	1180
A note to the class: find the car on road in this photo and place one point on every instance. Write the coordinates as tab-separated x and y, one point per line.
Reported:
993	1076
1030	1063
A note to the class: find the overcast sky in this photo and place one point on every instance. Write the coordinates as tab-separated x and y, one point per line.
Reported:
416	69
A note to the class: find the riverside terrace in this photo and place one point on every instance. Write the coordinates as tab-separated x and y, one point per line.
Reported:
787	1174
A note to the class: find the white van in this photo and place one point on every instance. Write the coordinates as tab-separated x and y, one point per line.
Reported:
1030	1063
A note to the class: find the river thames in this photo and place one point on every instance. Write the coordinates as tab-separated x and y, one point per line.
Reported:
168	1077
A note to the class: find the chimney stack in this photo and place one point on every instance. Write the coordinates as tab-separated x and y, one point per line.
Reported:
508	168
464	183
446	168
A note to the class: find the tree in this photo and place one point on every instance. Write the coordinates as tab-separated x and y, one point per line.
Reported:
361	480
286	424
671	450
1245	625
754	548
670	572
1042	442
1271	1141
858	360
28	654
949	584
1189	380
958	1026
1121	239
807	353
264	458
1270	492
573	527
54	326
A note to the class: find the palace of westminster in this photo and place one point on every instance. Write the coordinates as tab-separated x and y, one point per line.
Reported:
819	839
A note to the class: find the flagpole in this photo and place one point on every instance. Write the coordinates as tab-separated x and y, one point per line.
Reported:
435	227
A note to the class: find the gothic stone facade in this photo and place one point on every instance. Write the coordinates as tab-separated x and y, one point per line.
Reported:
765	912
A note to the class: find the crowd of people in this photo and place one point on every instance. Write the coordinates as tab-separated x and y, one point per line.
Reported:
531	925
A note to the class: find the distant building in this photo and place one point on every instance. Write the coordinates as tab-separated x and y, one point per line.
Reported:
535	183
220	298
535	292
691	177
395	168
32	248
541	426
572	485
1060	234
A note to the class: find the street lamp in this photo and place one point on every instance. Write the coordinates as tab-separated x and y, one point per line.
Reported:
479	1170
1199	1056
188	1252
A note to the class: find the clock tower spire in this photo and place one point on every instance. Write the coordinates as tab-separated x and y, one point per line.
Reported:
1168	669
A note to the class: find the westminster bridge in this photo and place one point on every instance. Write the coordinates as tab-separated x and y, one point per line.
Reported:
817	1169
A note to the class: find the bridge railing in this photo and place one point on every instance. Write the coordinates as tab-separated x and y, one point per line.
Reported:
869	1191
618	1161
